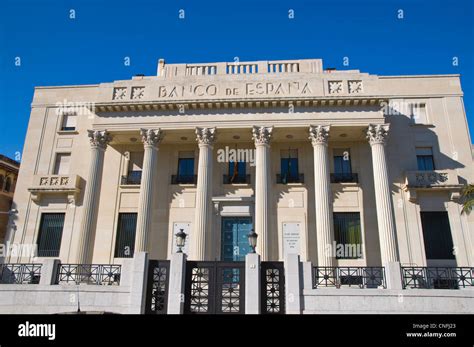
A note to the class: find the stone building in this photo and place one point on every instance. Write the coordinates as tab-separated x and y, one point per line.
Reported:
8	175
354	173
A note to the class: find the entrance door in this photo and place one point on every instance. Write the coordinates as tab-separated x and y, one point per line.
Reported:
234	240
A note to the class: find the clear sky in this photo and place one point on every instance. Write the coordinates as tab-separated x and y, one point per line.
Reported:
55	49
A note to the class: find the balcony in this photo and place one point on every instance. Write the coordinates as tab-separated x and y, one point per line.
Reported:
344	178
437	277
55	184
432	180
337	277
96	274
285	179
133	178
183	179
239	179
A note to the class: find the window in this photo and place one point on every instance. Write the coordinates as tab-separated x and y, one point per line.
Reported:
424	158
8	184
237	172
69	122
185	168
135	166
342	161
125	242
289	166
61	167
418	113
437	235
50	234
342	167
348	235
2	180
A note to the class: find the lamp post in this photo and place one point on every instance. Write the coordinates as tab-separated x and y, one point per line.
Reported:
252	237
180	240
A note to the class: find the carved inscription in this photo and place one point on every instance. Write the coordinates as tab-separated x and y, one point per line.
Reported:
241	89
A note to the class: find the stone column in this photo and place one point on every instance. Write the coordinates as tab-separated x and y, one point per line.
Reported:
262	136
98	140
151	139
377	134
323	195
203	217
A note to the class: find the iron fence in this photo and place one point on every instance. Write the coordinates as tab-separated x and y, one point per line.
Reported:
362	277
437	277
20	273
97	274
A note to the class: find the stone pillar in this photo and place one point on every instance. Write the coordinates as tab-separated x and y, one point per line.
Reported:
151	139
138	277
177	277
293	284
377	134
252	283
98	140
261	137
323	195
49	271
203	214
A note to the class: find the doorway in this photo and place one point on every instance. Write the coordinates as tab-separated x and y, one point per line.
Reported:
234	239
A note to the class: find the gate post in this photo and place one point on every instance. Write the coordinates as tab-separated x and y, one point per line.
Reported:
177	278
292	284
252	283
138	277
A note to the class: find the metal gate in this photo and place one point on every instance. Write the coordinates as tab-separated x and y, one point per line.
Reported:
272	286
215	287
157	287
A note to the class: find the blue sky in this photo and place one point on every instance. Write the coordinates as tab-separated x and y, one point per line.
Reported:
57	50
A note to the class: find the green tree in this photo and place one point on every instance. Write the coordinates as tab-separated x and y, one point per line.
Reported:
467	198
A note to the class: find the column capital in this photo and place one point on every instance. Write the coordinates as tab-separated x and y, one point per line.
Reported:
377	134
99	138
319	134
262	135
151	137
205	136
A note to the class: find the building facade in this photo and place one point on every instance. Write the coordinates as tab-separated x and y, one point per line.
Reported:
8	176
342	168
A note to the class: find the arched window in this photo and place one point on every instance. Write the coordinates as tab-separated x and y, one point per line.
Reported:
8	184
2	179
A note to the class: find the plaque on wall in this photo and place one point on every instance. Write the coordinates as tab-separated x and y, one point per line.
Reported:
291	238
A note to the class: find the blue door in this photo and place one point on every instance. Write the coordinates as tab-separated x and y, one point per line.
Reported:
234	240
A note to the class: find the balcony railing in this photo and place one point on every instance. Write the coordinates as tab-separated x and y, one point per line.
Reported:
20	273
362	277
285	179
438	277
96	274
344	178
183	179
133	178
239	179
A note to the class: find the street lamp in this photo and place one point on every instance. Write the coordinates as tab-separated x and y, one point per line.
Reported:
180	239
252	236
